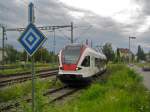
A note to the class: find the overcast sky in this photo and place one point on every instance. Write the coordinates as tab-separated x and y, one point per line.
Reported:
98	20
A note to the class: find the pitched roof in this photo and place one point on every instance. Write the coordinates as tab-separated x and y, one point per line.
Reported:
123	50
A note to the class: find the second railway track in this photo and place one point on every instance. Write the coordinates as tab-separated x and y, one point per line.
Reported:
54	95
22	78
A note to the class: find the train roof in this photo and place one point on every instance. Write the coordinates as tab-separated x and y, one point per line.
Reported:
87	47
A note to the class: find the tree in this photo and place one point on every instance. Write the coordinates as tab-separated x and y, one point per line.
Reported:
12	54
140	54
23	56
108	51
118	55
43	55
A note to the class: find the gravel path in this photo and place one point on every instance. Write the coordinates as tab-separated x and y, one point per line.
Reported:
145	75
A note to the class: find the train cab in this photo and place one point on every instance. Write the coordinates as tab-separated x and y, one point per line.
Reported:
77	64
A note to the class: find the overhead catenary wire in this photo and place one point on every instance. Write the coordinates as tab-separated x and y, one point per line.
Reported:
26	3
83	33
75	27
64	34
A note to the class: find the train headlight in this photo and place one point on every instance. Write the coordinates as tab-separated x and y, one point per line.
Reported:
78	68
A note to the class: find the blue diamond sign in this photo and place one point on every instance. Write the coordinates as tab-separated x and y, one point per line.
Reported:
31	39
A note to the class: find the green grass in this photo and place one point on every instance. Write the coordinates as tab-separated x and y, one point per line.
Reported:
18	91
123	91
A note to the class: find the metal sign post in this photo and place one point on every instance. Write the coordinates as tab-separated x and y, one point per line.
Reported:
32	39
31	20
33	86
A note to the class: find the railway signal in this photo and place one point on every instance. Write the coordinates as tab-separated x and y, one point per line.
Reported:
32	39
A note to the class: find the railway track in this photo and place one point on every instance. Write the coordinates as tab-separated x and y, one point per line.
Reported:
55	95
7	67
5	81
24	73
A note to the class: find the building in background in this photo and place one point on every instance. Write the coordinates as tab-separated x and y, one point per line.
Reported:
148	57
123	55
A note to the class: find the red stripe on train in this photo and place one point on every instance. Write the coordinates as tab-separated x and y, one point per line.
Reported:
69	67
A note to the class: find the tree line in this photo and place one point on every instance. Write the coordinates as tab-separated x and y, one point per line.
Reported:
45	56
42	55
115	56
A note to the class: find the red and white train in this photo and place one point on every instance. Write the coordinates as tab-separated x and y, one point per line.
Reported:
78	63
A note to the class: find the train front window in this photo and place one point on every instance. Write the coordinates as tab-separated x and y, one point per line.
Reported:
71	54
86	61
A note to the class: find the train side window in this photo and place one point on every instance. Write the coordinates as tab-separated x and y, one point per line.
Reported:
86	61
97	62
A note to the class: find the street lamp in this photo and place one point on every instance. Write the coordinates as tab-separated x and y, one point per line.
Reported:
130	46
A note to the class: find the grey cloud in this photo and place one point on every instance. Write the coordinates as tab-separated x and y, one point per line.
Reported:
53	12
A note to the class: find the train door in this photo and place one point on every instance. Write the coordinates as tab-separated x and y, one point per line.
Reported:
92	62
86	64
92	67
